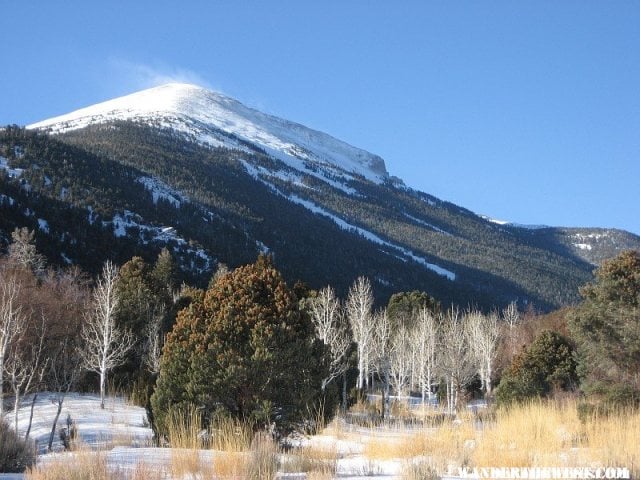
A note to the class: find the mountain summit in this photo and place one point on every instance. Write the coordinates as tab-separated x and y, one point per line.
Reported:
219	121
216	182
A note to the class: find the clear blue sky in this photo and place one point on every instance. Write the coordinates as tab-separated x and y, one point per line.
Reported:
524	111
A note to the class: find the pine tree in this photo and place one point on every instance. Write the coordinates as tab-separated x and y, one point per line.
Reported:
606	327
246	348
546	365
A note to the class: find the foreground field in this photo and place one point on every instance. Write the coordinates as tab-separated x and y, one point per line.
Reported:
116	443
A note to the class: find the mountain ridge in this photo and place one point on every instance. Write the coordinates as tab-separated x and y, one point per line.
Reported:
208	108
226	200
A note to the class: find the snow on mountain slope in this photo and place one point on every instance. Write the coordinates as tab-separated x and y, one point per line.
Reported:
217	120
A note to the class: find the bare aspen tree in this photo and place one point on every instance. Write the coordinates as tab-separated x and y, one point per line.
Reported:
12	321
64	370
400	359
23	253
379	356
331	328
426	333
359	304
24	367
483	332
154	340
457	362
510	315
104	345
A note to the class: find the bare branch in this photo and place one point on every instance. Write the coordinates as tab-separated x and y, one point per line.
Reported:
105	345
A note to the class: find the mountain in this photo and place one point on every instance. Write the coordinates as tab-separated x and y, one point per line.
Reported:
218	121
218	182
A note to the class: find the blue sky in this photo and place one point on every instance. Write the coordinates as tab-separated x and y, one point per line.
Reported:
524	111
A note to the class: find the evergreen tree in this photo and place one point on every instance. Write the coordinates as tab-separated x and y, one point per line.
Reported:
403	307
246	348
548	364
163	276
606	327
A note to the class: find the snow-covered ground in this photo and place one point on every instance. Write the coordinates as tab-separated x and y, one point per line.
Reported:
118	423
122	434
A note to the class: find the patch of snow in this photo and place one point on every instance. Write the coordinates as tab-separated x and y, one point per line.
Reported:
513	224
583	246
255	172
215	119
159	189
262	247
43	225
165	234
426	224
47	181
95	426
287	176
341	186
28	212
64	192
494	220
593	236
6	198
372	237
66	259
92	215
11	172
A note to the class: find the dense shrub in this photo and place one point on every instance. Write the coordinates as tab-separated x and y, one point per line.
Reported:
247	349
546	365
16	455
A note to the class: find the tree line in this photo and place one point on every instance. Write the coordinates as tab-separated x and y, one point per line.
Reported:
251	346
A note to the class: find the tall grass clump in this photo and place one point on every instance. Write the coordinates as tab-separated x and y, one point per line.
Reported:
316	461
536	434
548	433
612	439
231	439
80	465
16	455
263	458
230	434
184	433
419	470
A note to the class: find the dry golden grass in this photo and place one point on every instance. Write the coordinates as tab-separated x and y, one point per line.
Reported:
547	434
84	465
184	435
144	471
316	460
451	442
614	440
320	476
537	434
229	465
263	458
418	470
230	435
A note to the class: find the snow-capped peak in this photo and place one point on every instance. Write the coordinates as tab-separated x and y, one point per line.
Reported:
207	115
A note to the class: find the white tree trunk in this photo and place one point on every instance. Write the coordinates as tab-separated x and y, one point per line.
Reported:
105	346
11	322
358	307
